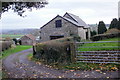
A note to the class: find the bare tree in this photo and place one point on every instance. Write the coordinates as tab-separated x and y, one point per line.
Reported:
20	6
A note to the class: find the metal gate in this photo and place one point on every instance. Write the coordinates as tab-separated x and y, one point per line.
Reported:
97	56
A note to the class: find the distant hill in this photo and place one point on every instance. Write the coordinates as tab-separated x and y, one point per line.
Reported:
93	25
21	31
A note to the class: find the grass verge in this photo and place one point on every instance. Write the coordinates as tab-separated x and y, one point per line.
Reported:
93	66
13	50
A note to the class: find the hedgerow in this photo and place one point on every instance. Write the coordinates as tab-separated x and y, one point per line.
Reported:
55	51
104	36
4	45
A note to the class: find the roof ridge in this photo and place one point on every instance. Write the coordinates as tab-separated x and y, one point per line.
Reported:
30	36
71	16
76	19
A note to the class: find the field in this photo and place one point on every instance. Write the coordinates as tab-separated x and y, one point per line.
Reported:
11	36
101	46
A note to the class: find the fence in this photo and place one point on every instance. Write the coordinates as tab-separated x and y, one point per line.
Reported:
98	56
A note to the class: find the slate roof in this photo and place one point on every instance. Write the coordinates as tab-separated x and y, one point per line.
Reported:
77	24
30	36
76	20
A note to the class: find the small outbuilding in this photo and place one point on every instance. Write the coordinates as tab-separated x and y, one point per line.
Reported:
27	40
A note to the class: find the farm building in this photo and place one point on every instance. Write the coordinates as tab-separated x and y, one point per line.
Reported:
65	26
27	39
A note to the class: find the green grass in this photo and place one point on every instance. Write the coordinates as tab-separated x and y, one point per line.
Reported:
11	36
92	66
100	46
14	50
111	39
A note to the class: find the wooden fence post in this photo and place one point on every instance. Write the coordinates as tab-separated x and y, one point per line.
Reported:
73	52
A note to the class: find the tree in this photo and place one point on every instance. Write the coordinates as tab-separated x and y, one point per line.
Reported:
93	33
118	27
114	23
21	7
101	27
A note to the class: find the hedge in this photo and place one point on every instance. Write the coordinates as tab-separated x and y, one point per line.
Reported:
104	36
54	51
4	45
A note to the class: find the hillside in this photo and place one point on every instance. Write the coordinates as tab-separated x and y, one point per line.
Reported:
21	31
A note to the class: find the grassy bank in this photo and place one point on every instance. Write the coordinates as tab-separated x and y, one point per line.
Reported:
14	50
101	46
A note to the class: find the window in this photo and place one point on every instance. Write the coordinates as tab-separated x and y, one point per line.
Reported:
58	23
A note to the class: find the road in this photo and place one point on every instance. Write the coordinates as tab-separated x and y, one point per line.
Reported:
19	66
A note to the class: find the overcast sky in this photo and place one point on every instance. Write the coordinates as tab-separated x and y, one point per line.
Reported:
90	11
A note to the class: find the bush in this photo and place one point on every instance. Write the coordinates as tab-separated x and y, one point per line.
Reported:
76	37
104	36
93	33
5	45
55	51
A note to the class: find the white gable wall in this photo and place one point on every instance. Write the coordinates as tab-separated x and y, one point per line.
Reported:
82	33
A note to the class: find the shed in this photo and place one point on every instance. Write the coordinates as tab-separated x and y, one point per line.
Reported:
27	39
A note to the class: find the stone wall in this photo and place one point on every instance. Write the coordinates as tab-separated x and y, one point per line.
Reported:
26	41
50	29
82	33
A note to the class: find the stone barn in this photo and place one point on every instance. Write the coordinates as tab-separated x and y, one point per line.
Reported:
65	26
27	39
